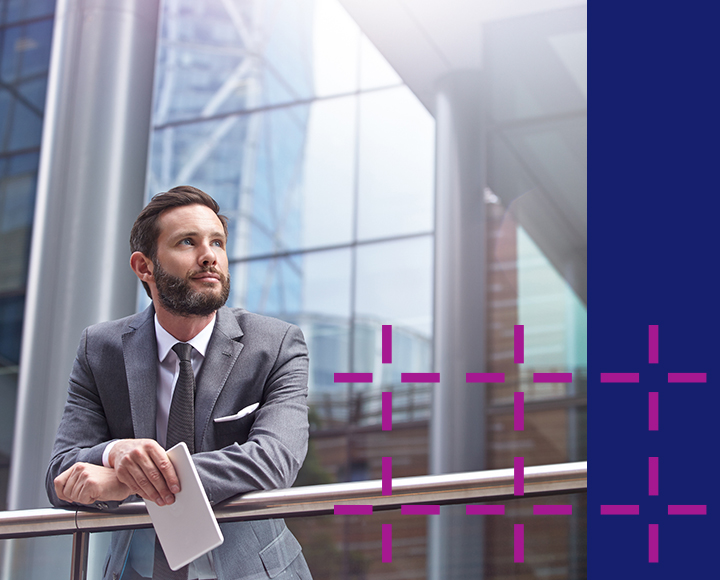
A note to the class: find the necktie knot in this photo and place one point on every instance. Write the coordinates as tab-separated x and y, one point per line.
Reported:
183	350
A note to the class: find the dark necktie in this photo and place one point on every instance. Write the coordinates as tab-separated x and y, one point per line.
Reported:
181	419
181	427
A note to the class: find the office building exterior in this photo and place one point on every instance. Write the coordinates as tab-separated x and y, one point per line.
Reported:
368	182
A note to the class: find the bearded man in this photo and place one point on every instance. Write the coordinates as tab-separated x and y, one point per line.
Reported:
242	376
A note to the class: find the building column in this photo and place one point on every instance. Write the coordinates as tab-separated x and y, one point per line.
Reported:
91	186
457	424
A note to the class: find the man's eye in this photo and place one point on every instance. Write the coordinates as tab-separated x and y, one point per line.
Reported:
218	243
186	241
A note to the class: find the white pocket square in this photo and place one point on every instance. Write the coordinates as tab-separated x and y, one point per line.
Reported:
239	415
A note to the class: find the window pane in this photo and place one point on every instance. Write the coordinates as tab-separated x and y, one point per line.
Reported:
394	284
329	173
396	165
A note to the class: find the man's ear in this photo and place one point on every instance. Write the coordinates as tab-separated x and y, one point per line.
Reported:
142	266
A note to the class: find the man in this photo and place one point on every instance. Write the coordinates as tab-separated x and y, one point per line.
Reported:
125	401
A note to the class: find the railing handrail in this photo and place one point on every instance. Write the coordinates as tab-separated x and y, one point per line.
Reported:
477	486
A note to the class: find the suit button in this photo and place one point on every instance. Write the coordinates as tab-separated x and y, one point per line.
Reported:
102	505
115	576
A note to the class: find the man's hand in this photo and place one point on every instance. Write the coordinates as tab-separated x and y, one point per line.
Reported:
87	483
143	466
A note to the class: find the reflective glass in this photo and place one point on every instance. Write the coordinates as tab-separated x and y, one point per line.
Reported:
394	285
270	287
37	558
375	71
325	321
222	56
25	130
251	164
26	50
554	317
8	400
17	196
538	65
219	57
336	43
25	9
329	173
34	92
5	116
396	166
351	546
285	178
18	201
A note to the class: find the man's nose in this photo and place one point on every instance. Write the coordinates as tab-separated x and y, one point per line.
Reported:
207	256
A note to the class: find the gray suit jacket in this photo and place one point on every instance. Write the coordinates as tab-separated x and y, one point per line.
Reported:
250	359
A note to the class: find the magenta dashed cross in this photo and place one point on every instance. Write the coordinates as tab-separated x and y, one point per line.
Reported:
653	462
518	425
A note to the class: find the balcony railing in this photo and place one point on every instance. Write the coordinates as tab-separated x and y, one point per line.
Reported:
455	488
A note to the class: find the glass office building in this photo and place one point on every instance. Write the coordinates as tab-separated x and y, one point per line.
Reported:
25	35
324	158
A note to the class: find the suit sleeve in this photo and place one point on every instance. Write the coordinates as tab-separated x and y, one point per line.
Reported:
277	442
83	432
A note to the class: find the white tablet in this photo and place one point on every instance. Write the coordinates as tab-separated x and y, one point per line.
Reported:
187	529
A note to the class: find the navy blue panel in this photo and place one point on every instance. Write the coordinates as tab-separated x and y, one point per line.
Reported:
653	226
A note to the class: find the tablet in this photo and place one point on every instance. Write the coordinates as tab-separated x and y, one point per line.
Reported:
187	529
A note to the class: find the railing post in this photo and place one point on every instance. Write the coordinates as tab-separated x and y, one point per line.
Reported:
81	541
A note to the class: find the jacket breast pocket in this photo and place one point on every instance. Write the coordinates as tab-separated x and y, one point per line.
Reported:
236	431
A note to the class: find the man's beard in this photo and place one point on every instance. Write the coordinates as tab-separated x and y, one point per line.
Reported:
177	295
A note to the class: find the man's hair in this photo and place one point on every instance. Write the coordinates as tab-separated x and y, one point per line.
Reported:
145	231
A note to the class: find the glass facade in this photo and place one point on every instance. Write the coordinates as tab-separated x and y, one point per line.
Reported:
25	39
323	160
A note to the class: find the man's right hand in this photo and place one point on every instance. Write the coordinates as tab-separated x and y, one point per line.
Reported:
143	466
87	483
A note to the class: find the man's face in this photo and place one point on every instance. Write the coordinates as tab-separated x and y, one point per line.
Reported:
190	269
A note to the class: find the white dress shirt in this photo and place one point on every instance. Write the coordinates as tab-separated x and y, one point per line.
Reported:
141	549
169	369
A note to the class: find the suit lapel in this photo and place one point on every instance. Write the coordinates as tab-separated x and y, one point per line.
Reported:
141	364
222	352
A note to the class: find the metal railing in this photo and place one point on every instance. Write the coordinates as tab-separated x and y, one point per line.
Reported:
455	488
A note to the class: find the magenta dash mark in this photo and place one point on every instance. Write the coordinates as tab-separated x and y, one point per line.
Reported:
387	475
552	377
420	510
519	344
386	344
654	411
519	476
387	543
552	510
352	510
353	377
687	510
420	377
653	344
519	544
619	510
687	377
653	544
387	411
653	470
619	377
485	378
519	411
485	510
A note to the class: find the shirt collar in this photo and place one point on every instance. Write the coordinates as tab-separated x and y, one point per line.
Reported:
165	340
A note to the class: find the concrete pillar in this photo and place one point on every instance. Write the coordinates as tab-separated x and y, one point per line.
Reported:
457	424
91	186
